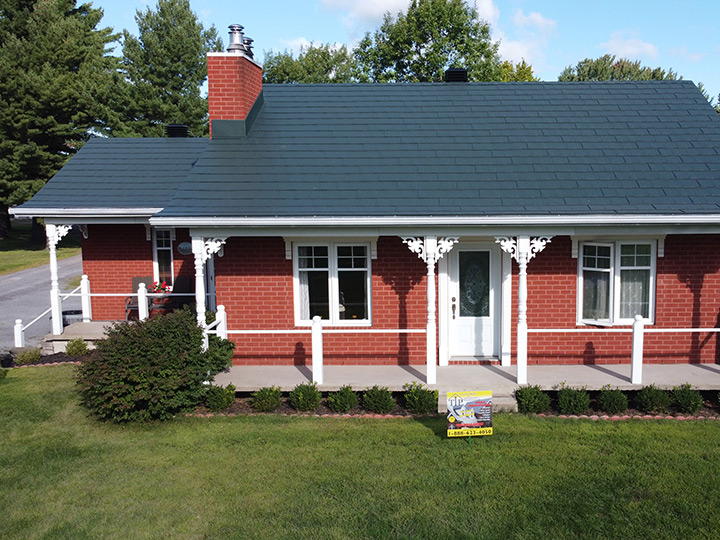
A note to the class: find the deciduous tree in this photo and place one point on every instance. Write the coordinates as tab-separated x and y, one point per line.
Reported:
432	36
607	68
314	64
521	72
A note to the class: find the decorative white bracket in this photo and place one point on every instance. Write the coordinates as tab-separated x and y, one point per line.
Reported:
56	233
530	246
211	247
430	249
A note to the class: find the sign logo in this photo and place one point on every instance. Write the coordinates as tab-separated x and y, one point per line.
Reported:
469	413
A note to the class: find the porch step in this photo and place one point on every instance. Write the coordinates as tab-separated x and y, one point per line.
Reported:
89	332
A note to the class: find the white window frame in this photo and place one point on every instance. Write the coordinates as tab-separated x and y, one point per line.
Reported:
615	283
156	265
334	292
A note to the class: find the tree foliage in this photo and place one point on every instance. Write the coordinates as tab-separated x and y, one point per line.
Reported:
607	68
521	72
166	67
314	64
418	46
56	78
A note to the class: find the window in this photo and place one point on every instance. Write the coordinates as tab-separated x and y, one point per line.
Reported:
616	282
163	256
332	281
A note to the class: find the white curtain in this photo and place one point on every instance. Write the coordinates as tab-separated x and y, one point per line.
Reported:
634	293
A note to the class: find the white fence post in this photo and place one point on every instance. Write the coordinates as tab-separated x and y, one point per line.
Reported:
317	350
222	327
142	302
637	350
85	298
19	334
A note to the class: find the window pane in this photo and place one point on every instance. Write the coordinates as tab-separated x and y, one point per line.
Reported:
163	239
635	255
312	257
353	295
474	283
596	256
314	296
634	293
352	257
164	259
596	295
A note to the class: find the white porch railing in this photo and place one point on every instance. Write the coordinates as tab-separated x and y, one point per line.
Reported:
219	327
638	331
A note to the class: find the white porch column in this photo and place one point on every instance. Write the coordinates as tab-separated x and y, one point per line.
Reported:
203	250
431	250
522	249
54	234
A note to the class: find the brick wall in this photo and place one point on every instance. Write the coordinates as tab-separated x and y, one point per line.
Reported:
234	83
113	255
254	282
688	282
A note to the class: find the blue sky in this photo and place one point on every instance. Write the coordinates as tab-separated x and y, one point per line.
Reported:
549	34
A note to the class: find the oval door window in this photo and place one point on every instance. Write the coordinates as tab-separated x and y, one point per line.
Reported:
474	284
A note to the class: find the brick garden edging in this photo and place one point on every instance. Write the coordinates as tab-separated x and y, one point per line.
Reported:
615	418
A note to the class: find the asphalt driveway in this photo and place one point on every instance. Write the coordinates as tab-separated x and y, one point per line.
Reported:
26	294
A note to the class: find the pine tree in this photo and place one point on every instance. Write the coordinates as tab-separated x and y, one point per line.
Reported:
55	79
166	67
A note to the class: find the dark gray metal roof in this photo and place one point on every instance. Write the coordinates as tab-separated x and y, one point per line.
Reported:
121	173
460	149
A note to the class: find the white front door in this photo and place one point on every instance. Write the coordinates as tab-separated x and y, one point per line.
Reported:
473	300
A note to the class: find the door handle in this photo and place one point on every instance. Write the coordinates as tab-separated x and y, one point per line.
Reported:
453	307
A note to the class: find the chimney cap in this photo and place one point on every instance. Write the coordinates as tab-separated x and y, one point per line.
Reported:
238	42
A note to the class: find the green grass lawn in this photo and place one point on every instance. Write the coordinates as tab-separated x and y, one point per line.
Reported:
64	475
17	253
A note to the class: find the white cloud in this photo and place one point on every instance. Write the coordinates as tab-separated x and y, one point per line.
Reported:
488	11
365	10
534	20
683	53
294	45
626	44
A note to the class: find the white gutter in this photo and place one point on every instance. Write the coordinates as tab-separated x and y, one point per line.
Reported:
604	219
84	212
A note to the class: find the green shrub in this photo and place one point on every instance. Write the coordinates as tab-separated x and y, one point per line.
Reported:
76	347
651	399
688	401
218	398
305	397
532	399
612	401
28	356
420	400
150	370
572	400
3	373
344	400
378	400
267	399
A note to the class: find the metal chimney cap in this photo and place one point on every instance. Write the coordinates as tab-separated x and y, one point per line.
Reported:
236	39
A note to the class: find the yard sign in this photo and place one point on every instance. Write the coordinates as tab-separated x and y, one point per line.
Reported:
469	413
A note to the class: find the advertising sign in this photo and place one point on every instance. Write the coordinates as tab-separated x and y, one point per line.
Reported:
469	413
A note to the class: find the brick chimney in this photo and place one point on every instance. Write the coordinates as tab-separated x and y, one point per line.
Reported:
234	79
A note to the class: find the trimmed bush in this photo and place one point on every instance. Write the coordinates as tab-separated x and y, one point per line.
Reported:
378	400
267	399
612	401
651	399
76	347
150	370
420	400
687	400
305	397
344	400
219	398
532	399
572	400
28	356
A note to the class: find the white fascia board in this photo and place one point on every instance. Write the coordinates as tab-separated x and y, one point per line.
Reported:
87	215
522	221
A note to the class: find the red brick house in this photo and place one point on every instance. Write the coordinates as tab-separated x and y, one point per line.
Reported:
424	223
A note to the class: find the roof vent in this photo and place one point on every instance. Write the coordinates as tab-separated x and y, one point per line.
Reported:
238	42
176	131
456	75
